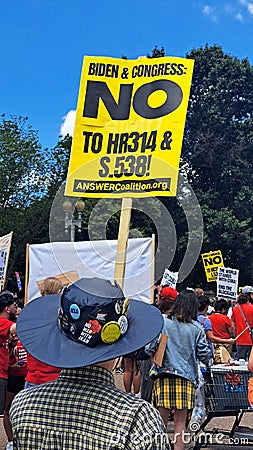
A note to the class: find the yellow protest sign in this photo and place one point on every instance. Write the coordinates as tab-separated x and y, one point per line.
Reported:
129	127
212	261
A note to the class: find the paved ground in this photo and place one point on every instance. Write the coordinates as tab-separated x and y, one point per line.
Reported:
220	423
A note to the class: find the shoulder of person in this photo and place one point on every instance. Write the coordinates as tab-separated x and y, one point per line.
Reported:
197	325
5	325
227	319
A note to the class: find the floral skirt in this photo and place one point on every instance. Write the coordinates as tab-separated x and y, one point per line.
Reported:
173	392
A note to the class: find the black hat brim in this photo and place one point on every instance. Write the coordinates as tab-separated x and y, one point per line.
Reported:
38	331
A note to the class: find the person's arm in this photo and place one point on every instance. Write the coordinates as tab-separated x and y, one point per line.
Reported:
216	340
202	350
13	329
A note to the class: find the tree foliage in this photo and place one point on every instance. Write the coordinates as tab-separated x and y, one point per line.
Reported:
22	169
24	176
218	151
218	137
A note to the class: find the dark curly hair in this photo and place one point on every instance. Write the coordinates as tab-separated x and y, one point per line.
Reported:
203	302
165	304
6	299
243	298
220	304
185	307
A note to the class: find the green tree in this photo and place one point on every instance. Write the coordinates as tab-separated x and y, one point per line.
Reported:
59	164
218	152
23	182
218	137
22	164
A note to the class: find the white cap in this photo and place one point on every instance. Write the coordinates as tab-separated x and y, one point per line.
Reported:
247	290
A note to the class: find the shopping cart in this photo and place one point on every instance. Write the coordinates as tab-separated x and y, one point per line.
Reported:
226	392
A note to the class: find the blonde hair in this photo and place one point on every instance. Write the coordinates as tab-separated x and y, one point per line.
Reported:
51	285
198	291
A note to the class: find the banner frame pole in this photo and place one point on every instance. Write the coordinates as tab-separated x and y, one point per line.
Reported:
152	270
26	273
124	225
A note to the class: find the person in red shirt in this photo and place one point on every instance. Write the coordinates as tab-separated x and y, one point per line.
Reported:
249	291
222	328
221	324
244	341
16	380
38	372
8	310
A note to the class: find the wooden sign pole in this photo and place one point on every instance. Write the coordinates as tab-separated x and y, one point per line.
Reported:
120	262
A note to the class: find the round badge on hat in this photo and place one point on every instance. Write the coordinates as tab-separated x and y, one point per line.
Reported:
74	311
72	329
126	305
110	332
123	323
118	308
63	320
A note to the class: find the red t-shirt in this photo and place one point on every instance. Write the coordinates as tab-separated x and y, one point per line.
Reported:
5	325
18	361
220	324
240	324
39	372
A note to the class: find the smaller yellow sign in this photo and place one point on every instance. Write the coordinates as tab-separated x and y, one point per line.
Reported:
212	261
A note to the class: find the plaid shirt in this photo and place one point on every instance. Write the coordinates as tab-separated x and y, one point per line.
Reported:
83	410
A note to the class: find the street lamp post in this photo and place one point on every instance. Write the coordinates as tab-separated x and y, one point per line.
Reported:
69	221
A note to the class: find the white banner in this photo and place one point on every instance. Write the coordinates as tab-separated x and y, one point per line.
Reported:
5	245
93	259
169	278
227	283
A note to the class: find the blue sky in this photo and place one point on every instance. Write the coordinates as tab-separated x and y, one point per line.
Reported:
42	44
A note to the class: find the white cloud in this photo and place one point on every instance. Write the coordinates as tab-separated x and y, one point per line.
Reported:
250	8
68	124
235	9
247	4
232	11
239	17
207	10
210	12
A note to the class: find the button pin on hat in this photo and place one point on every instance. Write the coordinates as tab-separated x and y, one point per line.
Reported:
110	332
123	323
74	311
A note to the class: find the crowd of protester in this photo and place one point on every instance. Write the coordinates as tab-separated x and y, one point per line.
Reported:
212	330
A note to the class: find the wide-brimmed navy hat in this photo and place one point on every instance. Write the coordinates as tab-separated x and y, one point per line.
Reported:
90	322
